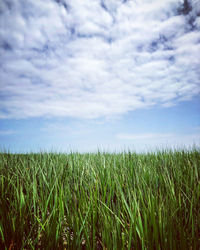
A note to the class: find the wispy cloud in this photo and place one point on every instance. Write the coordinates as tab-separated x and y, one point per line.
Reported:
197	128
70	130
91	59
55	127
159	139
6	132
144	136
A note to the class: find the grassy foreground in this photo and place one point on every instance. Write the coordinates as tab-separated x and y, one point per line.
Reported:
100	201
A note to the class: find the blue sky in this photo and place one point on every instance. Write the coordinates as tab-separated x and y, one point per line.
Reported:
101	74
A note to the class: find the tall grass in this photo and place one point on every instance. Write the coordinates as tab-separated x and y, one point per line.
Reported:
100	201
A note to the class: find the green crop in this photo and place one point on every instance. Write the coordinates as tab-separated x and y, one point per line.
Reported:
100	201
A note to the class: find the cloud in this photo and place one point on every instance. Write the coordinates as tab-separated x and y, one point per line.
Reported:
197	128
55	127
145	136
96	59
6	132
159	140
60	129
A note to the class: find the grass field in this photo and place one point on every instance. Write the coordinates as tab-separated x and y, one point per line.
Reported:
100	201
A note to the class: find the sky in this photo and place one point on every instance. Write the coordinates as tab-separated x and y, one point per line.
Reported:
87	75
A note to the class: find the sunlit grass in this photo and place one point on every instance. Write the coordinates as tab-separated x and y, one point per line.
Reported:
100	201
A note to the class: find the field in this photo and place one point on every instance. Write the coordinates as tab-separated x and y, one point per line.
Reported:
100	201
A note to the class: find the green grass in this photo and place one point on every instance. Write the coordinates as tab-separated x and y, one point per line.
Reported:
100	201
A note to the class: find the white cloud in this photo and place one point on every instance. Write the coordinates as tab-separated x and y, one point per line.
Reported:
158	140
145	136
6	132
91	60
197	128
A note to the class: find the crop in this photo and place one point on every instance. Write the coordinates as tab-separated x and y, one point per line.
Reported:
100	201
